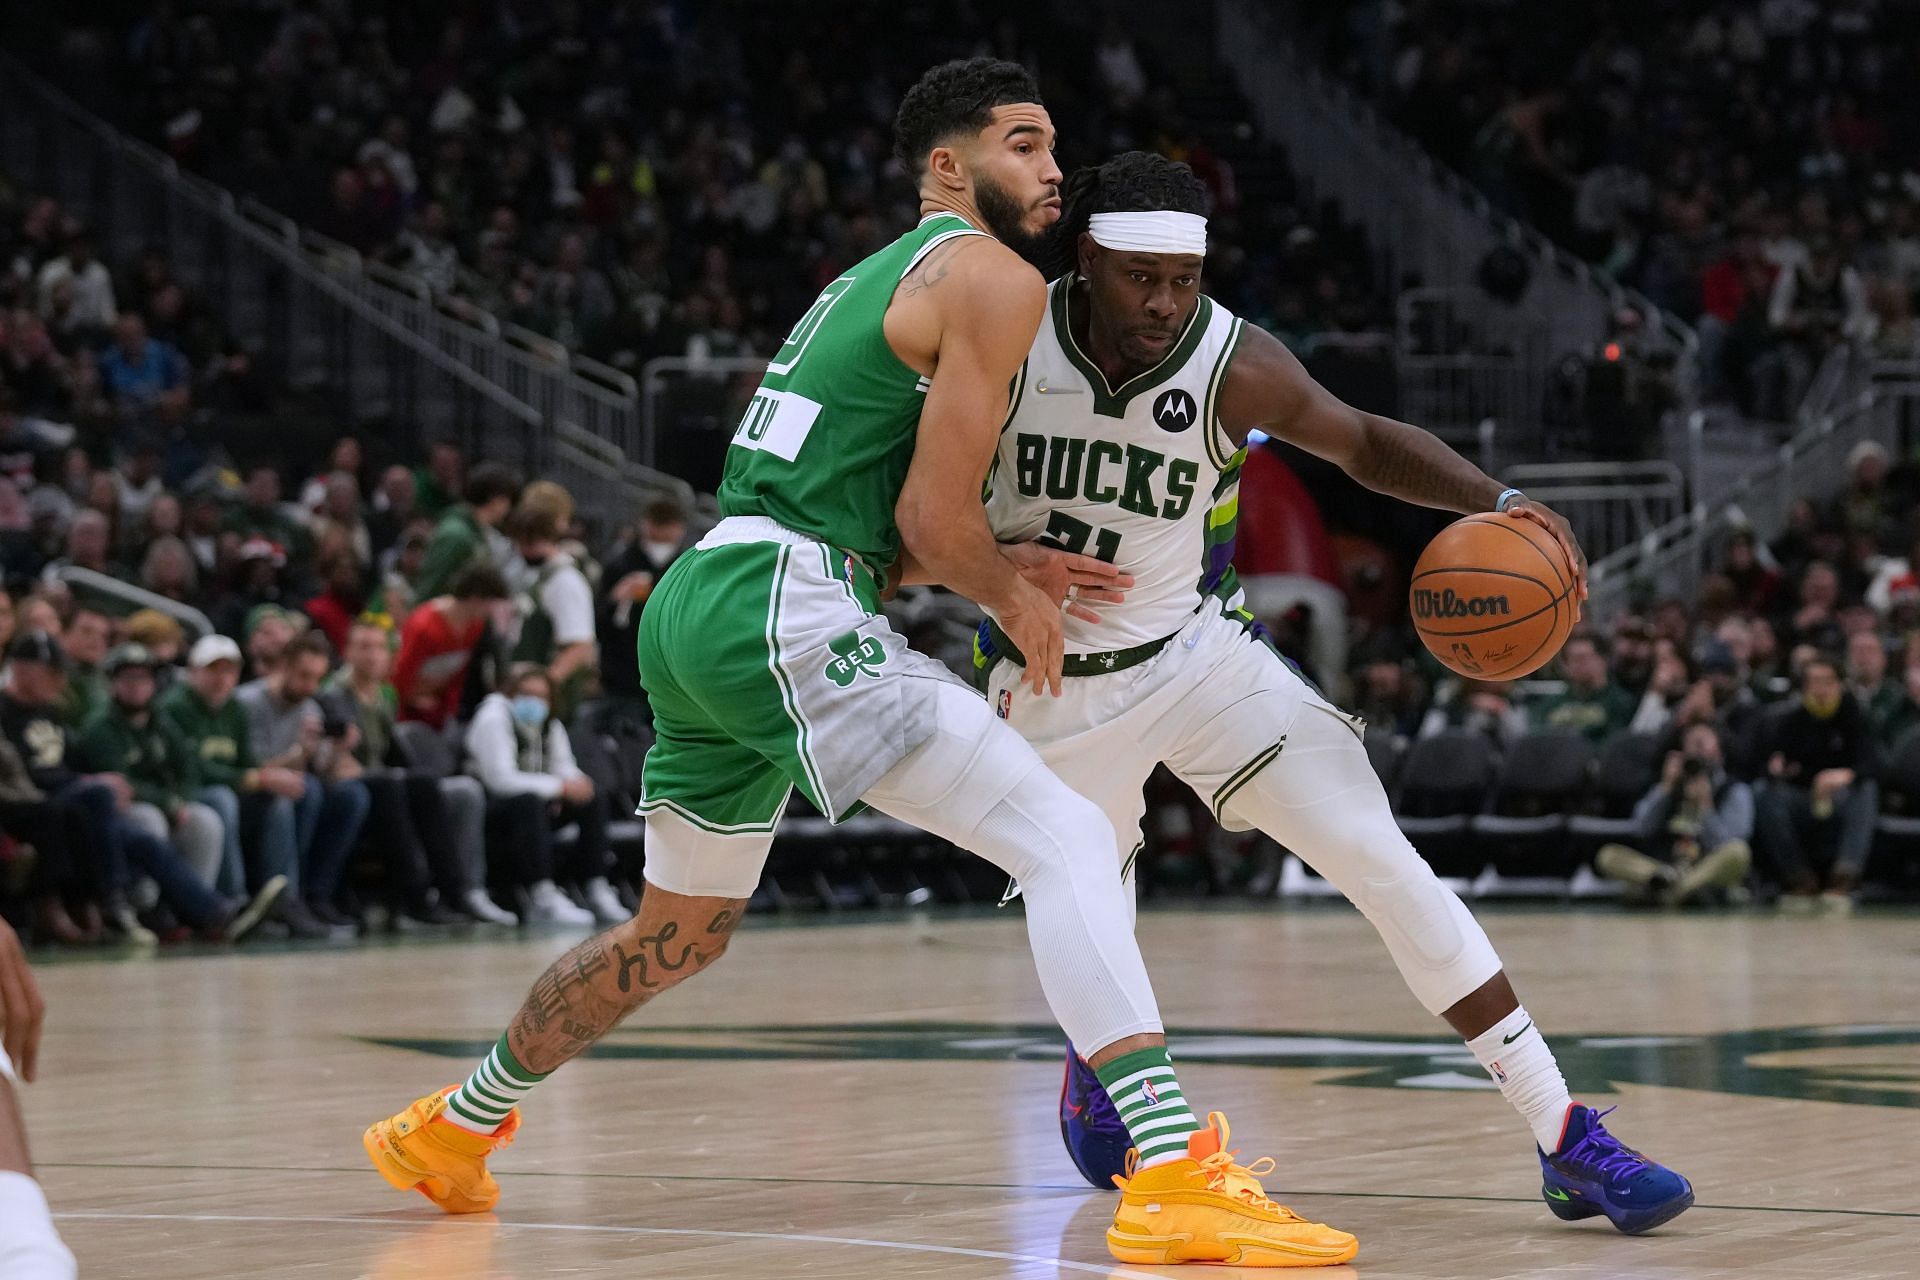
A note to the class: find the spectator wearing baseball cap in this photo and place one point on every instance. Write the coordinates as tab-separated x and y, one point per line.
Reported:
29	716
259	806
126	738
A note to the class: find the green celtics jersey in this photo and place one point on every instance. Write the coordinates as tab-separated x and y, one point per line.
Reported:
824	445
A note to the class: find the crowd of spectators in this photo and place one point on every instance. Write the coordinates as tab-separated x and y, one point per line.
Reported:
637	178
1750	165
224	709
1780	696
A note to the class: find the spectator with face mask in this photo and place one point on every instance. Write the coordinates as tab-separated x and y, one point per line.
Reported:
555	602
524	758
1819	801
631	575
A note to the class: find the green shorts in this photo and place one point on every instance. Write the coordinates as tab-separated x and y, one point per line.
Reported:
767	668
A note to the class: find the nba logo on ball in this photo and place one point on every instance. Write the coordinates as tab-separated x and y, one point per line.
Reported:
1006	704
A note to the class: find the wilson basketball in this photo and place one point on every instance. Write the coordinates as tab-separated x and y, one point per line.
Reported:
1492	597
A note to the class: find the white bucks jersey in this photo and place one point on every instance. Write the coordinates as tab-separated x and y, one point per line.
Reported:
1140	475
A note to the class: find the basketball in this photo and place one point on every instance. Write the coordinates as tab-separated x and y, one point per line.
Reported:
1492	597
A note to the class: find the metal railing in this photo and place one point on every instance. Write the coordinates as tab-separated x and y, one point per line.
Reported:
322	317
1856	399
1460	359
1424	221
1609	504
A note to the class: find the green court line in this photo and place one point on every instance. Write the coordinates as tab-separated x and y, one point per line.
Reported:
952	1186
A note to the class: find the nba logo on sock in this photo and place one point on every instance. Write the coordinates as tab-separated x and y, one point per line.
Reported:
1151	1094
1006	704
1498	1073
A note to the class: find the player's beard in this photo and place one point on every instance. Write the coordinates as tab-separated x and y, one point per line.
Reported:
1006	217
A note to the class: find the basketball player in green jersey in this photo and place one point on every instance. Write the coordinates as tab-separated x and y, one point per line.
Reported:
768	668
1136	403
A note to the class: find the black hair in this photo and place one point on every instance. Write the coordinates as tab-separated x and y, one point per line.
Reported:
489	481
479	581
1131	182
956	97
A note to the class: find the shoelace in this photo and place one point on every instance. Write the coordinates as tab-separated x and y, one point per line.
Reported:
1101	1115
1242	1181
1603	1152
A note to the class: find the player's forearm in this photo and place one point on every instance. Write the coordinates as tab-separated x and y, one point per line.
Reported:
950	543
1403	461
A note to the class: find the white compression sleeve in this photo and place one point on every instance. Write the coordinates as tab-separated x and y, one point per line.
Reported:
30	1249
1322	800
977	783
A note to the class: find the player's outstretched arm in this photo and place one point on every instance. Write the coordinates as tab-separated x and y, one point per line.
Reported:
1267	388
989	305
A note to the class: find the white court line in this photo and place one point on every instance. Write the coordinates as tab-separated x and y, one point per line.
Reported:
1115	1270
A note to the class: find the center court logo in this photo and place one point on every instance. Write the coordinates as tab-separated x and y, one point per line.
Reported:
1428	603
1869	1065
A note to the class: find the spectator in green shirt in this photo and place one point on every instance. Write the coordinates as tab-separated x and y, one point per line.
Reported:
258	806
262	515
1592	705
460	539
85	639
1888	709
126	738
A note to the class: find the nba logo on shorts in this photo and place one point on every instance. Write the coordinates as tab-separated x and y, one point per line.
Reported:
1006	704
1151	1094
846	569
1499	1073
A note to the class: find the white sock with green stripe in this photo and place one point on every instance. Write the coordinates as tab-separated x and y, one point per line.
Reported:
1147	1095
482	1103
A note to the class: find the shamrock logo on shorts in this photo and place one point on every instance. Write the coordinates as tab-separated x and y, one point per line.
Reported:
856	655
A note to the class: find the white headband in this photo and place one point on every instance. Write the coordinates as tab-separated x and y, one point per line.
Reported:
1161	231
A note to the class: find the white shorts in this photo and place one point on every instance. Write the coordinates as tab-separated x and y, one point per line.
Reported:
1214	706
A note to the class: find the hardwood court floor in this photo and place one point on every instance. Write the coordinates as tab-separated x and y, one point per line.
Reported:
878	1099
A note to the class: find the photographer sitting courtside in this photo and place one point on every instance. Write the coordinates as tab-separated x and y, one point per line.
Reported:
1696	821
1819	801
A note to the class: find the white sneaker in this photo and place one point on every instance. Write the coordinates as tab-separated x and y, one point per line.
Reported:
477	904
547	905
603	901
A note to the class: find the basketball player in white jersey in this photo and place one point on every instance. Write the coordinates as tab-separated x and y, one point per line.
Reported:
30	1249
1128	425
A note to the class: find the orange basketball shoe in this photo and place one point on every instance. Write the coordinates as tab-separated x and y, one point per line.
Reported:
1206	1208
421	1150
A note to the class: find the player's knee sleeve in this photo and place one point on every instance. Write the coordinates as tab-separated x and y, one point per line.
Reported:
1321	799
30	1249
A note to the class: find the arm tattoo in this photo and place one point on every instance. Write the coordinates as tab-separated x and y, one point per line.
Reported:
587	991
930	270
1405	462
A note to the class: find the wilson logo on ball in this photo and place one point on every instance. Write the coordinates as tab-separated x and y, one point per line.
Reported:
1446	604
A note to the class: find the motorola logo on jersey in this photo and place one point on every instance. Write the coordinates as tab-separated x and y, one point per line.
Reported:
1175	410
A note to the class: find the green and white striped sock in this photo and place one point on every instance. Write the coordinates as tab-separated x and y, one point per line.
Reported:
482	1103
1147	1095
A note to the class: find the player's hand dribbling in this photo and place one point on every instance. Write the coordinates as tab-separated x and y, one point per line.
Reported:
1556	524
1071	580
1032	622
21	1008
